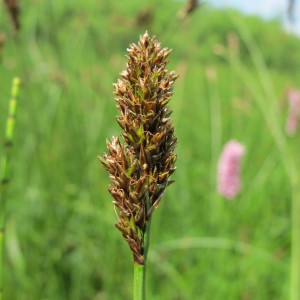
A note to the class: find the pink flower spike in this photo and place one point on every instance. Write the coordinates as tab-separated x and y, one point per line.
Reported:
294	112
229	182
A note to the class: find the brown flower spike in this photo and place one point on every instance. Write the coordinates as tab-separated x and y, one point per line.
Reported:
140	169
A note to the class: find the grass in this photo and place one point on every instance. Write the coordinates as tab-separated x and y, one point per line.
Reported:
61	242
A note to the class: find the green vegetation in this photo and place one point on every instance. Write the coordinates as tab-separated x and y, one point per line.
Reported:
234	73
4	168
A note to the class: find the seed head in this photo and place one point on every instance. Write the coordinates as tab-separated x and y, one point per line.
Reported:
140	169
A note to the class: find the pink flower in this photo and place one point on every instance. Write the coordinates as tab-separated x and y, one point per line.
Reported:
294	112
229	182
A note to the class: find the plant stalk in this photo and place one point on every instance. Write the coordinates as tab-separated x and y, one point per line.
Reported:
139	280
4	170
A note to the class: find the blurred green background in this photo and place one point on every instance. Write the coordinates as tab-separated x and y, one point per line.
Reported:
234	73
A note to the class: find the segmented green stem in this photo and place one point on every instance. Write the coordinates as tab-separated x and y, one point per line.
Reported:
4	169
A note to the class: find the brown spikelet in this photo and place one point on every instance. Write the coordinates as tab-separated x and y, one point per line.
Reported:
140	169
14	12
190	6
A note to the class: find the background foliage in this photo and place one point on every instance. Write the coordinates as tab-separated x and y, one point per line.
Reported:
234	73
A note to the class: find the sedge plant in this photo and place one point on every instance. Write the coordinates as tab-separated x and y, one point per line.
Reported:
4	170
140	168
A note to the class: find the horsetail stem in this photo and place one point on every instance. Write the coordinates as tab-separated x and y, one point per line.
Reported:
5	167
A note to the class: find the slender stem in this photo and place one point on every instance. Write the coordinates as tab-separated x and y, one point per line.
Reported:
147	230
146	248
4	170
138	281
139	271
295	236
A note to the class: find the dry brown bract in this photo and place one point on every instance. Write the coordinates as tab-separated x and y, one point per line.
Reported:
14	11
140	170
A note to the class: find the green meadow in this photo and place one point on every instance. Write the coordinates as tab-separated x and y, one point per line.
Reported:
234	74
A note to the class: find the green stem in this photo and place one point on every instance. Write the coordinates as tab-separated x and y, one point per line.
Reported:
139	271
139	278
295	237
4	170
146	248
138	281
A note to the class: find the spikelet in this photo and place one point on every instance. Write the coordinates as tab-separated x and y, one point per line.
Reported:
140	169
